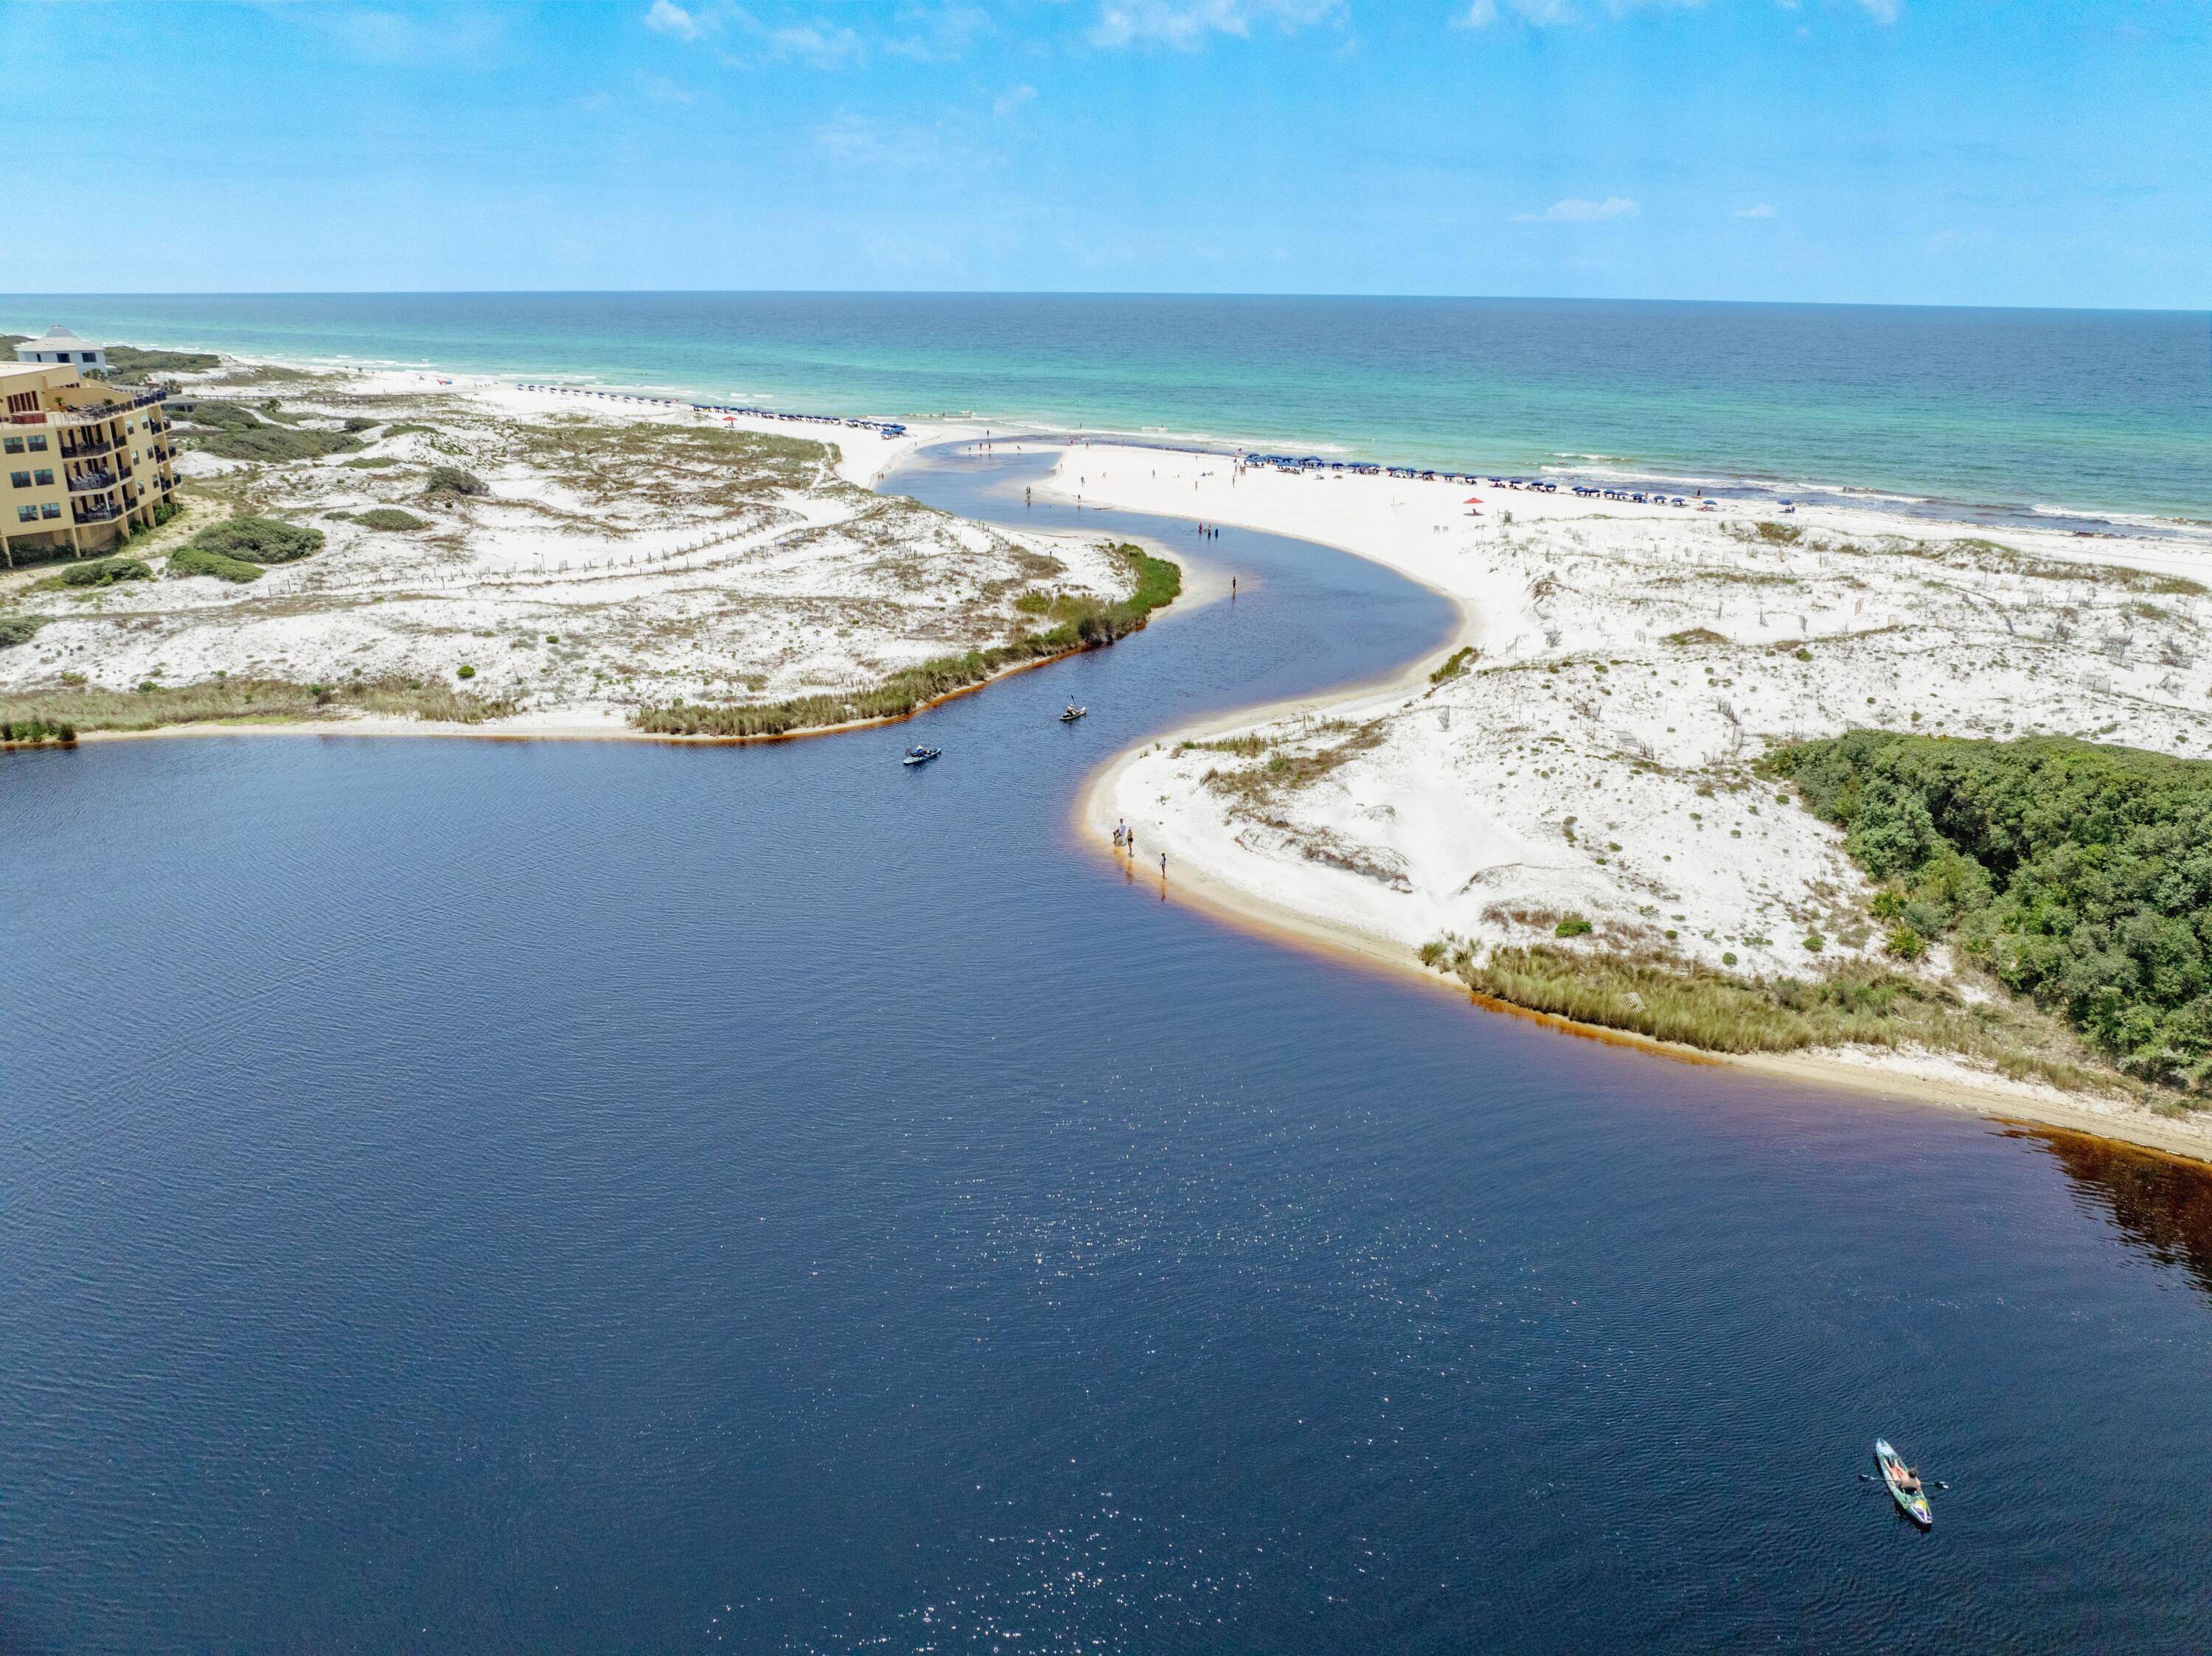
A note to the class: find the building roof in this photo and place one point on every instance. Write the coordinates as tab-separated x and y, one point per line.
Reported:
59	338
17	377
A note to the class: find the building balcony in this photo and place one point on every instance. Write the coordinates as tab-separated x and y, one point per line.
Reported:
98	514
109	410
79	450
89	481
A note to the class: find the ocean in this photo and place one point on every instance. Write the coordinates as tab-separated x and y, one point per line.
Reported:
2087	411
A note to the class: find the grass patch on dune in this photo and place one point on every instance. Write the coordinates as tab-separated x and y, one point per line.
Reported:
1287	769
198	560
99	572
132	365
236	432
389	518
1091	624
1666	998
92	707
1455	664
258	540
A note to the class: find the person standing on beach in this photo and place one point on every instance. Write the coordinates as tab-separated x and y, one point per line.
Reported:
1164	865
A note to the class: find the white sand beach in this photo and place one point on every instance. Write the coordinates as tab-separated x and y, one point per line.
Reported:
1592	759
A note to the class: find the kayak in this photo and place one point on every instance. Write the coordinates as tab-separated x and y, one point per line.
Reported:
918	755
1914	1501
1073	714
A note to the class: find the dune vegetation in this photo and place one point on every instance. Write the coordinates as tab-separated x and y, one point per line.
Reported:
1085	623
2077	873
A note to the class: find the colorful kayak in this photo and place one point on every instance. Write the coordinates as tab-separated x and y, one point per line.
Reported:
1914	1501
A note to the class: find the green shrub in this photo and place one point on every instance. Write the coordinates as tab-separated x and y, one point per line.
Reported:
18	629
1904	943
128	362
1573	926
390	517
259	540
198	560
355	422
1454	664
452	480
105	572
237	433
464	672
2082	873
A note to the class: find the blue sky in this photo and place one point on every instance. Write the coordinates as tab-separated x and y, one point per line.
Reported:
1936	151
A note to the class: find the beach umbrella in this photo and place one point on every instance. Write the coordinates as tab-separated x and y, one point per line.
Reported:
1473	499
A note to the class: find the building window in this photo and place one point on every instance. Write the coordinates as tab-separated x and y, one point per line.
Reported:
50	509
46	478
88	356
14	446
28	514
37	446
20	479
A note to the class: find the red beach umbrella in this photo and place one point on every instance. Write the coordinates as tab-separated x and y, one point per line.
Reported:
1473	499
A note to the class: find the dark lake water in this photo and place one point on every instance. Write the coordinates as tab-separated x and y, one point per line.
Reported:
459	1197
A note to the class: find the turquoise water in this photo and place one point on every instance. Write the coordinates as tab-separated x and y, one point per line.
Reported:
2099	411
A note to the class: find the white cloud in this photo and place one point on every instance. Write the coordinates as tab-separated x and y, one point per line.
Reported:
887	146
752	42
821	42
1883	11
460	36
1011	103
1552	14
666	17
1575	211
938	31
1761	211
1185	25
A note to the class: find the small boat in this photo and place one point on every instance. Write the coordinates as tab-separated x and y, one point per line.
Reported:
1914	1501
918	755
1073	714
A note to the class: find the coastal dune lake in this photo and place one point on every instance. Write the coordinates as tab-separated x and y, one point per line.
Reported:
463	1196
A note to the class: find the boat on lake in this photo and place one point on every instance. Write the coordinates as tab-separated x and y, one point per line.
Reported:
1894	1472
918	755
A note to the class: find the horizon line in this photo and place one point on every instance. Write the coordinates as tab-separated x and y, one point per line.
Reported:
1067	294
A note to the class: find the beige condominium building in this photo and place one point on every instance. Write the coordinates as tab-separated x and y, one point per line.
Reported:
82	462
